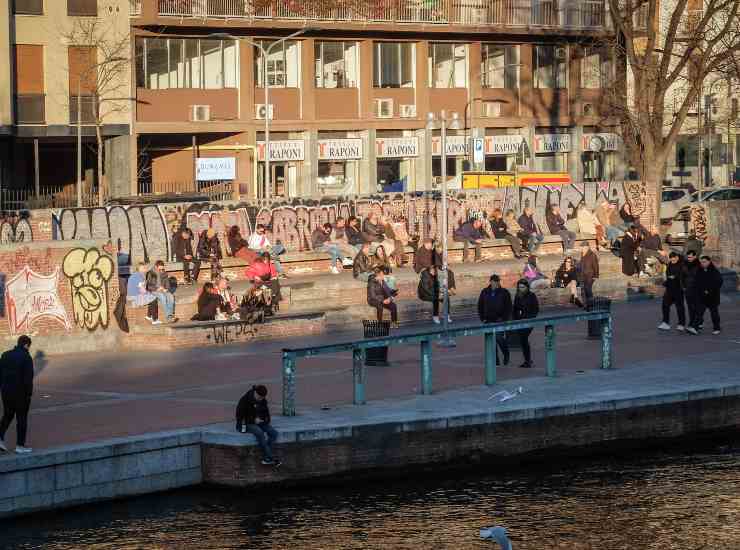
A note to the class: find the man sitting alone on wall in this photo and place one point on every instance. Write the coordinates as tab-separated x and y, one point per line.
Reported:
253	416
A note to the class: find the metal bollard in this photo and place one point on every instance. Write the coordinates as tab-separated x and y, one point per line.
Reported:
358	375
607	351
550	350
288	385
426	367
490	357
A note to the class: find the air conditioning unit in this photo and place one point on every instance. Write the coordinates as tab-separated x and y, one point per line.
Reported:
492	109
263	112
408	111
383	108
200	113
588	109
561	53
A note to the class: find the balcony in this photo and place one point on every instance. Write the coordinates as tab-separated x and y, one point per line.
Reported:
134	9
88	109
30	109
578	14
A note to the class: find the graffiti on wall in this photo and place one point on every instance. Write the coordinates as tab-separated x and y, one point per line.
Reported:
30	297
15	228
230	332
88	272
698	221
144	232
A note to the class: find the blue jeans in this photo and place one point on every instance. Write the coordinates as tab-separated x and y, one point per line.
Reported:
167	301
612	232
275	251
333	251
265	436
569	238
534	240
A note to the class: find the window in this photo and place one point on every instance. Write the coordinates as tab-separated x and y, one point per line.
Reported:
83	84
550	66
672	195
500	66
448	65
335	173
28	7
596	70
85	8
163	63
393	65
29	84
283	65
336	64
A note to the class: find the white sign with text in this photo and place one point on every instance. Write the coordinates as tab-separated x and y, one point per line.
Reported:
282	150
340	149
397	147
215	169
552	143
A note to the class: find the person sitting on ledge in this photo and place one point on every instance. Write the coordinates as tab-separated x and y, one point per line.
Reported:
136	292
383	261
533	275
321	241
158	283
209	250
380	296
239	246
264	273
259	242
373	231
353	234
531	229
556	225
182	245
253	416
469	234
427	256
209	303
501	231
362	267
567	277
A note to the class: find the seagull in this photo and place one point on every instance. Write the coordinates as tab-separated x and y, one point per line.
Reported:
497	534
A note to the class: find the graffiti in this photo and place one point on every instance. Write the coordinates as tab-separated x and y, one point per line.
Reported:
31	297
14	229
89	272
220	220
698	221
636	194
231	331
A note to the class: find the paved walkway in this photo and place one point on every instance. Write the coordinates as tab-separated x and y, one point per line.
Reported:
96	396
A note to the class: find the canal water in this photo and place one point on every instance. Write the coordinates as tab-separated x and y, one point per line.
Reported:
675	499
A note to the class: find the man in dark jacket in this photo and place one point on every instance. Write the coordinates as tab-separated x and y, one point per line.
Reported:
182	245
427	256
362	267
556	225
674	288
209	250
589	268
380	296
530	229
691	268
158	283
708	284
469	233
501	231
253	416
628	251
428	290
526	306
650	247
16	388
494	306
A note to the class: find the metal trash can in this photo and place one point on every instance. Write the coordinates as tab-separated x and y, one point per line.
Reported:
597	303
376	357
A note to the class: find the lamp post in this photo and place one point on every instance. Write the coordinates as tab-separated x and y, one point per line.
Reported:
264	52
444	122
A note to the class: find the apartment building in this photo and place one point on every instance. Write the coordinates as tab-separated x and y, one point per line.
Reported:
55	51
349	97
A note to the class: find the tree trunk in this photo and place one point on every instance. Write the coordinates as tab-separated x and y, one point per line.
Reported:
652	182
101	185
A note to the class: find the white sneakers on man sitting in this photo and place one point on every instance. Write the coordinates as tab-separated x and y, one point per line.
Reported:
335	270
680	328
23	450
664	326
436	320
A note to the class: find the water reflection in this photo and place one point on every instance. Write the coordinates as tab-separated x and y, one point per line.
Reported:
671	500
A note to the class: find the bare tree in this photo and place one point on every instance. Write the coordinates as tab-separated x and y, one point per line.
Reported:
666	52
103	59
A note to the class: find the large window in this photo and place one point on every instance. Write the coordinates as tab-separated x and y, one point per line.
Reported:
448	65
551	66
393	65
87	8
28	7
336	64
283	65
163	63
596	70
500	66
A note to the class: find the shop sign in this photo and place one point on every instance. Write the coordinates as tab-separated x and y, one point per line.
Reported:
397	147
532	179
282	150
340	149
215	169
504	145
552	143
600	142
488	180
456	146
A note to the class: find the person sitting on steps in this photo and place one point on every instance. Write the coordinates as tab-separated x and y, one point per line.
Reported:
239	246
533	275
182	244
263	273
253	416
380	296
470	234
531	229
567	277
259	242
209	250
209	303
501	231
362	267
556	225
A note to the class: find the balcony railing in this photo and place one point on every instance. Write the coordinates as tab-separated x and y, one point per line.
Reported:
586	14
30	108
88	107
134	7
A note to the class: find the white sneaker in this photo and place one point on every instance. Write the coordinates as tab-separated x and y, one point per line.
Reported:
335	270
148	318
692	330
23	450
3	448
449	319
716	332
680	328
664	326
436	320
156	322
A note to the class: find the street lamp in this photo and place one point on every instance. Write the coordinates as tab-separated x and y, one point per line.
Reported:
265	52
444	122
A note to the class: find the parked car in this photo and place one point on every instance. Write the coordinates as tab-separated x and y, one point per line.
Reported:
672	200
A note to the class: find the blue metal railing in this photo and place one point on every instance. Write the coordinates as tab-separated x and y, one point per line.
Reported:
425	339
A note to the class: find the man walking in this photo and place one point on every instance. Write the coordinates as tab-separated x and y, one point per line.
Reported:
691	268
16	388
589	270
494	306
708	285
674	286
526	306
253	416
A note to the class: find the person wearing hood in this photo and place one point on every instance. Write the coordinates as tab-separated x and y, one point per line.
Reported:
380	296
428	290
494	306
526	306
708	286
674	293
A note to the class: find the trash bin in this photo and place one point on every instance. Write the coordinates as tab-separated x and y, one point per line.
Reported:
597	303
376	357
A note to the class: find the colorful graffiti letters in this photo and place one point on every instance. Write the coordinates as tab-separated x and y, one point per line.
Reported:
89	272
31	297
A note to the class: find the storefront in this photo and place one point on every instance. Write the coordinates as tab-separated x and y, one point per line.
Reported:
600	156
551	151
286	161
396	158
339	166
457	154
502	151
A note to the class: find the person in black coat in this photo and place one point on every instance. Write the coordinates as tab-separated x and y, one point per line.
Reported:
380	296
526	306
628	251
16	388
708	285
182	246
253	416
209	304
501	231
691	267
209	250
494	306
675	283
567	277
428	290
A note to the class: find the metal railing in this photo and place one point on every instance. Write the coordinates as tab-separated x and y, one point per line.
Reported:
540	13
48	197
425	339
30	108
89	109
214	190
134	7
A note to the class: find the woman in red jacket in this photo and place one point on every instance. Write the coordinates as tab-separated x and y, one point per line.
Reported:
263	273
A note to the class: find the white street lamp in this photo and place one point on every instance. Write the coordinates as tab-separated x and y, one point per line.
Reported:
444	122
